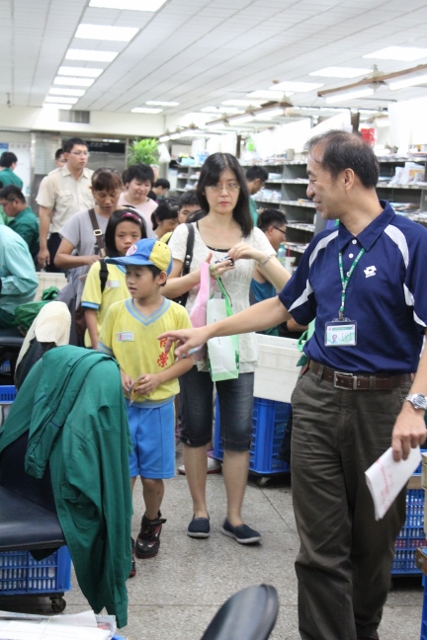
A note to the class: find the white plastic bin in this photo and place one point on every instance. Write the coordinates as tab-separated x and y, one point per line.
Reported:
47	280
277	373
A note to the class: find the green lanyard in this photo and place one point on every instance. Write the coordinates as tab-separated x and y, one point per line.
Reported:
345	281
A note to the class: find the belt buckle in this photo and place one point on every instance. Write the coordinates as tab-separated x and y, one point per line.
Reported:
348	375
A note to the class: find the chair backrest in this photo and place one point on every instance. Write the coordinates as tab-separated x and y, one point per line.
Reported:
249	614
14	477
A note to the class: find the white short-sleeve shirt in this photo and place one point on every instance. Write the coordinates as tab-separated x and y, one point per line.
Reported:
236	281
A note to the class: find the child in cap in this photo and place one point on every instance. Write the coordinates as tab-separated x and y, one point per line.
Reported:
149	375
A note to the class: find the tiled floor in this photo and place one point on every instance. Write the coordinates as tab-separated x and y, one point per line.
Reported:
175	595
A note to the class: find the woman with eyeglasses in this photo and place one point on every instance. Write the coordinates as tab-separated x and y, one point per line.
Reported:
227	240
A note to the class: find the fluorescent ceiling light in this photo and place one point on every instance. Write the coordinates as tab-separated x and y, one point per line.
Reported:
268	95
349	95
221	110
90	55
128	5
409	82
146	110
241	119
83	82
192	133
104	32
340	72
175	136
164	138
297	87
241	103
88	72
162	104
405	54
67	92
49	105
58	100
269	113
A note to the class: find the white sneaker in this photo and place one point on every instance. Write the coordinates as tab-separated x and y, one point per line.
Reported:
214	466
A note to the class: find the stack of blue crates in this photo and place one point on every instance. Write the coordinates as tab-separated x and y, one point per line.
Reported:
269	422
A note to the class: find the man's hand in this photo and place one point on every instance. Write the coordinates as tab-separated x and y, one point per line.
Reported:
409	431
43	257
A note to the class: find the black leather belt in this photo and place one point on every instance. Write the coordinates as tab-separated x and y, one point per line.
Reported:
343	380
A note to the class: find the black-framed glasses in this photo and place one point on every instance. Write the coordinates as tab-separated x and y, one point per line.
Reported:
278	229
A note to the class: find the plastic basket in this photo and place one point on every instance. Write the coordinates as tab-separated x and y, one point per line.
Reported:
424	611
5	367
412	535
7	393
20	574
269	421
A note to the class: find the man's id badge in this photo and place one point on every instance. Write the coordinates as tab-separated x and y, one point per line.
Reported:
341	333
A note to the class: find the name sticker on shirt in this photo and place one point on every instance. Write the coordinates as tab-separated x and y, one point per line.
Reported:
113	284
341	333
125	336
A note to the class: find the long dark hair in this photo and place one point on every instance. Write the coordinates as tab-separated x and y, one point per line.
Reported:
121	215
210	175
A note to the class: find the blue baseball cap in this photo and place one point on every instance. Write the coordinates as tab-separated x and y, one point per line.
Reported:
146	252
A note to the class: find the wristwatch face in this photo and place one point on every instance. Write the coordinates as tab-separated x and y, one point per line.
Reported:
418	400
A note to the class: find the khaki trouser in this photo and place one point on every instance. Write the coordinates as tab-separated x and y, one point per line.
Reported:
345	559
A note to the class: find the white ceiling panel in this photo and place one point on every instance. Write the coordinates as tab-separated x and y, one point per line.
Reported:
201	53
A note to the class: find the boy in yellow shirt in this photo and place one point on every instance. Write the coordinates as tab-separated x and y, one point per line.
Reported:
149	375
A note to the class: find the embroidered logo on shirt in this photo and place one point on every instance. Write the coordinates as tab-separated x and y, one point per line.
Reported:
124	336
370	271
163	357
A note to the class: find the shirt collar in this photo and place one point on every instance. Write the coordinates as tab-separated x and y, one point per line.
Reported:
371	233
66	172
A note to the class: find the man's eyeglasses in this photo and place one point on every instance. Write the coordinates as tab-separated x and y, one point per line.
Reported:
218	188
80	153
281	230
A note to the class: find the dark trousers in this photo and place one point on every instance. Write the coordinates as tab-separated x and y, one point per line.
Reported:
344	563
53	243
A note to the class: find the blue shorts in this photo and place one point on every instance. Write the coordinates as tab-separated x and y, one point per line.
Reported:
152	429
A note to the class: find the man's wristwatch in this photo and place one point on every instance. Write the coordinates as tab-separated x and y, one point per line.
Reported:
417	400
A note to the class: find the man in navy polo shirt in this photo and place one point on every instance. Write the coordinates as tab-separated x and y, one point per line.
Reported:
364	282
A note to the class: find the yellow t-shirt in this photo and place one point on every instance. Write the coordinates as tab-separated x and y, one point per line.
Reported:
132	339
115	290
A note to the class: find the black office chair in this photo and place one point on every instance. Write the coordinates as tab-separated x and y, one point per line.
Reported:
10	344
249	614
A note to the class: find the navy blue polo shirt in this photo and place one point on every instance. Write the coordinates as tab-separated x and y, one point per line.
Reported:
386	294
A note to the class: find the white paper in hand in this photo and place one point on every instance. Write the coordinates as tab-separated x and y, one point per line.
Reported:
386	478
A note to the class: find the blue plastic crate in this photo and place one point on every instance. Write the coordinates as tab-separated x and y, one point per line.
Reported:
7	393
412	535
20	574
424	611
5	367
269	421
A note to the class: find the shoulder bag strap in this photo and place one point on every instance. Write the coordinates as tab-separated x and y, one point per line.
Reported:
97	233
189	250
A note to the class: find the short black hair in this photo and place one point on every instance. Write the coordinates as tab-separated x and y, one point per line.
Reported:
69	144
270	217
7	159
210	174
58	153
167	210
162	182
121	215
256	172
10	192
343	150
141	172
188	199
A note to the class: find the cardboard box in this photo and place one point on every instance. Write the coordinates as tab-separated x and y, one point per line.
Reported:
424	470
277	373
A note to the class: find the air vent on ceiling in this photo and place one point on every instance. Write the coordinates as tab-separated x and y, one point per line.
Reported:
81	117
